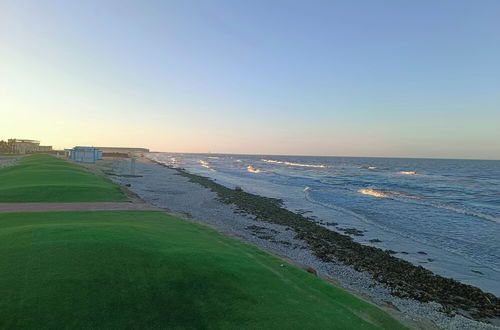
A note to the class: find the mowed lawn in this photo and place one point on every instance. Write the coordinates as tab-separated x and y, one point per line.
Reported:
147	269
45	178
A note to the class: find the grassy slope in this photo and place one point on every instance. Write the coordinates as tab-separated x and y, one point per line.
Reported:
142	269
44	178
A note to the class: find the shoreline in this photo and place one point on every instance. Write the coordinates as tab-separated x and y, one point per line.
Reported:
278	238
8	160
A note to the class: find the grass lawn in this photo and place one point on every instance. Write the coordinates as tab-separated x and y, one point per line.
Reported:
146	269
45	178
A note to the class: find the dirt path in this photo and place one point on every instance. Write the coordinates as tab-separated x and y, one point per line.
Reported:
86	206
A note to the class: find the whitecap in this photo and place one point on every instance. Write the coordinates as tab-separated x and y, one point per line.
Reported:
204	163
293	164
384	194
407	172
252	169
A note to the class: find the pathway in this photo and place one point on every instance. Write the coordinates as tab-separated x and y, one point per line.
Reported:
85	206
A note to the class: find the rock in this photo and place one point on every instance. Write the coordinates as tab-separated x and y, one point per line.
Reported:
376	240
311	270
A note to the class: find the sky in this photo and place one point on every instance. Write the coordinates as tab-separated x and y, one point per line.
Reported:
391	78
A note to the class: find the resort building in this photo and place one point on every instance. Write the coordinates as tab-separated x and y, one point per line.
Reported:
85	154
121	150
25	146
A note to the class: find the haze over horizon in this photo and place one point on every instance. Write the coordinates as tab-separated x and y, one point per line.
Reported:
347	78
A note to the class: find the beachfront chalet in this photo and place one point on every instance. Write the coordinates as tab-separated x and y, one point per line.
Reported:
85	154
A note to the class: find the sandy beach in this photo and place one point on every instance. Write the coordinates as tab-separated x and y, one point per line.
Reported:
163	187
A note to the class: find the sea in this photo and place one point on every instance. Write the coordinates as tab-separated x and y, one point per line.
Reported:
441	214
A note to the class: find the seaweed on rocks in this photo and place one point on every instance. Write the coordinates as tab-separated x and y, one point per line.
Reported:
402	277
352	231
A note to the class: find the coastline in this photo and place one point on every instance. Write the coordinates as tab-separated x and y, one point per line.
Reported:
8	160
171	189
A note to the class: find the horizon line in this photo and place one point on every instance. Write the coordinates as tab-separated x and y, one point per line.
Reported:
298	155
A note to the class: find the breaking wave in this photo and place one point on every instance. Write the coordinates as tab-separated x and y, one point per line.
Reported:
252	169
371	192
311	199
205	164
408	172
408	235
374	168
384	194
293	164
165	160
468	212
419	201
174	161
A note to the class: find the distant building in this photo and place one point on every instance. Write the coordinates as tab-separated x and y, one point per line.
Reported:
25	146
120	150
85	154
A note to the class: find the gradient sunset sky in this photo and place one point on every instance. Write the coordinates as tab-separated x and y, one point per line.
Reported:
354	78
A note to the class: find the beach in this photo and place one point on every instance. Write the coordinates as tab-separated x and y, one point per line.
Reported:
80	251
443	215
165	188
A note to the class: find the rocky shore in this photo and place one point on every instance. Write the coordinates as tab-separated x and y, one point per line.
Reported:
415	295
8	160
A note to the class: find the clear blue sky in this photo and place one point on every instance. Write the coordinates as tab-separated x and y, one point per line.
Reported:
364	78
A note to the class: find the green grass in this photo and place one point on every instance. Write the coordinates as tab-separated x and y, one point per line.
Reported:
44	178
146	269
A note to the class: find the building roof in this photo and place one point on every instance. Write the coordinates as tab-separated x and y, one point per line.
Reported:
84	148
25	140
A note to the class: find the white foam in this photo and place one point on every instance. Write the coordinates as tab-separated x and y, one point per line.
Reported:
252	169
374	168
384	194
407	172
294	164
204	163
372	192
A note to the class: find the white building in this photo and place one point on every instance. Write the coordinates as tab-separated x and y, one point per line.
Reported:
25	146
85	154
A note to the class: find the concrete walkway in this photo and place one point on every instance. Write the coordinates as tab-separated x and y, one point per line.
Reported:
85	206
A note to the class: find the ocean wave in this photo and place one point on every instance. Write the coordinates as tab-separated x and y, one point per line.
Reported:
384	194
294	164
213	157
164	159
407	172
467	212
408	235
309	198
174	161
252	169
417	200
371	192
374	168
204	163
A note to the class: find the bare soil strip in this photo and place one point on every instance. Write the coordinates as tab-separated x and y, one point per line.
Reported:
85	206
